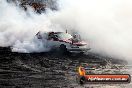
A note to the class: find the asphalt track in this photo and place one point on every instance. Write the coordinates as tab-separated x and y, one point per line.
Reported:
51	70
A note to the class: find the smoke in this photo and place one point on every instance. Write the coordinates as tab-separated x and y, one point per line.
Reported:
18	28
105	24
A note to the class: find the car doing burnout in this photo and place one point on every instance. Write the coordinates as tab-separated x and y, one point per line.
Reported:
64	42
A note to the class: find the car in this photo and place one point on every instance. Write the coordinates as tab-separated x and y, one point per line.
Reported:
64	41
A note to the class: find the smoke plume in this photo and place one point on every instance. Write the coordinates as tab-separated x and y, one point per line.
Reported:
105	24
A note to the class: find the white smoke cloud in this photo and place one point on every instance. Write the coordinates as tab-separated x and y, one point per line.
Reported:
105	24
18	28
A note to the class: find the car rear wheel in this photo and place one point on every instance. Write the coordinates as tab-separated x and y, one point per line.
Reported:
81	53
63	49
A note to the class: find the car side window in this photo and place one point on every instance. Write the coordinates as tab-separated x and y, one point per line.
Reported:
55	37
51	35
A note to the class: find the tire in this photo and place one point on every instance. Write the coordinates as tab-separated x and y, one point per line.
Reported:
81	53
63	49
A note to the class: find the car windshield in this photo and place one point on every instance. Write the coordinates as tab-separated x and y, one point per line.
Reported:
64	36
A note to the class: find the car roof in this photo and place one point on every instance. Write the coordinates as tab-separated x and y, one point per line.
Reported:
58	32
